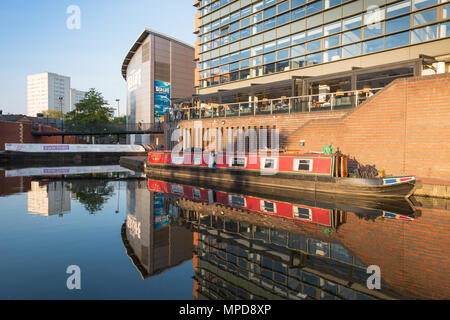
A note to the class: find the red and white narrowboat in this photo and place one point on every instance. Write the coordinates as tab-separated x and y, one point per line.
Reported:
309	172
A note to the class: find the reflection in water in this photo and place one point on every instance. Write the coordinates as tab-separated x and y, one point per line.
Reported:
251	247
49	198
154	235
93	194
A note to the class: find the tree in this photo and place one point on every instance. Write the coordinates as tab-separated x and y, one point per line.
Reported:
53	114
90	112
92	194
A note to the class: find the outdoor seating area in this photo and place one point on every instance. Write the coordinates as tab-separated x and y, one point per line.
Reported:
309	103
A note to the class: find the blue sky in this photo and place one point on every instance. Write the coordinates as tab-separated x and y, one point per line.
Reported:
34	38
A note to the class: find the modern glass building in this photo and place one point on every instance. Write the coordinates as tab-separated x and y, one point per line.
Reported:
341	44
157	68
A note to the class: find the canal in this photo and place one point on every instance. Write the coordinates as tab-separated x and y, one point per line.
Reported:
134	237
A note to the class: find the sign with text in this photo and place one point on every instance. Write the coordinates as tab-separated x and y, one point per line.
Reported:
162	100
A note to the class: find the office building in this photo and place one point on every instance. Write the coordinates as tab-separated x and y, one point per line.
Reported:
75	97
44	91
262	49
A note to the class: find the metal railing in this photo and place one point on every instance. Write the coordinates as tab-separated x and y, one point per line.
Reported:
100	128
309	103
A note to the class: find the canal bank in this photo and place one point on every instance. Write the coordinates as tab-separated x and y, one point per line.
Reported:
427	187
38	155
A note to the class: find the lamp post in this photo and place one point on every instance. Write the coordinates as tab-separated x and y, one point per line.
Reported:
118	106
61	98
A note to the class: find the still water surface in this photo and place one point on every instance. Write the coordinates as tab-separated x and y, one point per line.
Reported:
138	238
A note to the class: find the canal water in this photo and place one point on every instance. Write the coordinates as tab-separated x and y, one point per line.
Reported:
134	237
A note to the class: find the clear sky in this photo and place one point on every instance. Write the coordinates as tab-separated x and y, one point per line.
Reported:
34	38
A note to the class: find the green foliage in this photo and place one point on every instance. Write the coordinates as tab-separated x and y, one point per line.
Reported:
53	114
92	110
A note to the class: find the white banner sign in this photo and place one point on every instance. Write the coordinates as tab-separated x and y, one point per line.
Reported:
20	147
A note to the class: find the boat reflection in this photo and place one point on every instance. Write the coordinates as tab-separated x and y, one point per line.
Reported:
255	247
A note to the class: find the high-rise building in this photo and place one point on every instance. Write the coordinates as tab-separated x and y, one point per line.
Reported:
75	97
47	91
250	49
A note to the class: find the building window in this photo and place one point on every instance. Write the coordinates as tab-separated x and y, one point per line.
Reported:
298	50
331	42
270	46
244	64
269	68
314	46
283	66
373	45
313	59
332	55
314	33
270	57
268	13
314	7
257	61
351	23
244	74
283	54
245	22
283	7
424	34
398	8
351	50
296	3
256	50
331	3
397	24
283	43
284	18
420	4
373	30
425	17
298	38
397	40
269	24
332	28
445	29
351	36
298	13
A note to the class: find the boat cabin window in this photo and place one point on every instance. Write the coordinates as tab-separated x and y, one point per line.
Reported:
177	189
302	213
268	206
177	159
237	201
196	193
197	159
238	162
268	163
303	165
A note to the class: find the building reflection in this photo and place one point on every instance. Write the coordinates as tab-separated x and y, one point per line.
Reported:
155	237
49	198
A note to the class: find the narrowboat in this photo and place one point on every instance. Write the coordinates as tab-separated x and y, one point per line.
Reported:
313	172
303	211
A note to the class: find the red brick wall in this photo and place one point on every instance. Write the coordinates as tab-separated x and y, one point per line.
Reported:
10	133
404	129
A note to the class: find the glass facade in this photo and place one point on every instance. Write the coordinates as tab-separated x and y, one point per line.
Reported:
242	39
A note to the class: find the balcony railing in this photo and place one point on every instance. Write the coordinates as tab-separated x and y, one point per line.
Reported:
310	103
